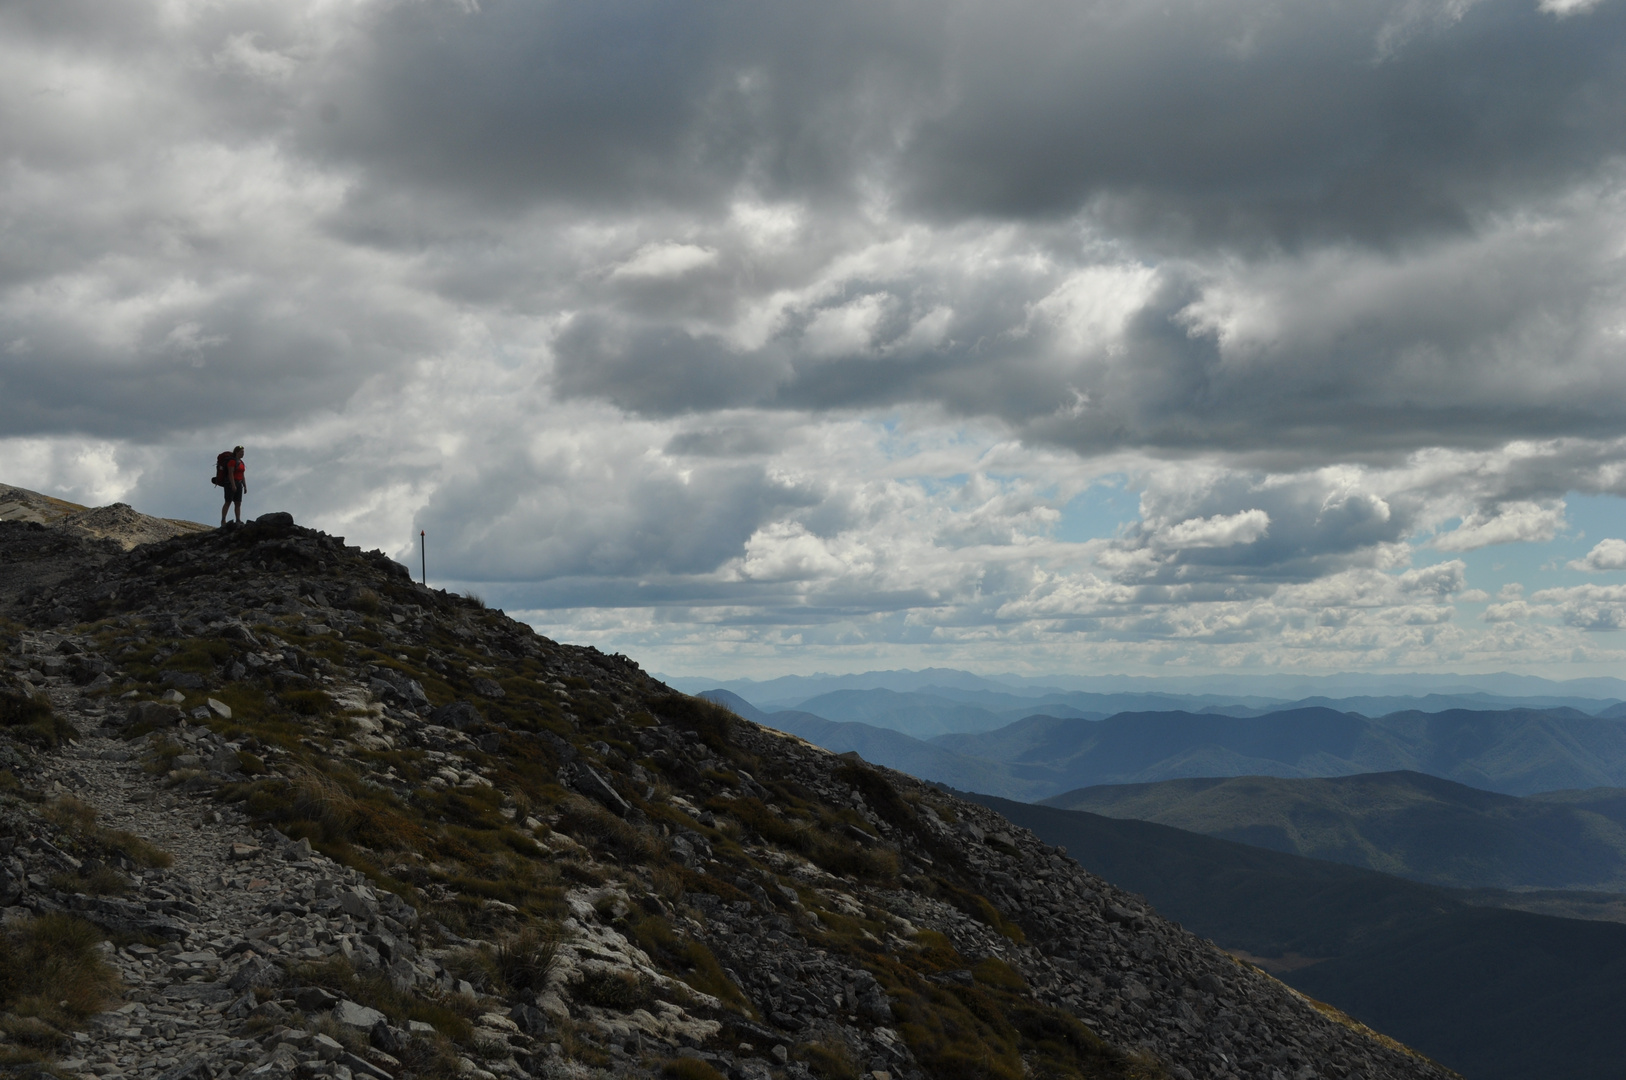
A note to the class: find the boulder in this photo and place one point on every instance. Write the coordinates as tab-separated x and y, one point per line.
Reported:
156	713
350	1014
588	781
256	973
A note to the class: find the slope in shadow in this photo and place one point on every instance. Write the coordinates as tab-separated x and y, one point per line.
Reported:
1405	823
1495	994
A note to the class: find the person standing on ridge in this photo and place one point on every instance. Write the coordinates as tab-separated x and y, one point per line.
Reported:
232	482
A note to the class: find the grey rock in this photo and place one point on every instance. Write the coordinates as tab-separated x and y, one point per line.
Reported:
588	781
488	689
360	1066
315	999
391	1040
352	902
154	712
280	519
531	1020
459	715
257	972
125	917
183	680
193	1068
353	1015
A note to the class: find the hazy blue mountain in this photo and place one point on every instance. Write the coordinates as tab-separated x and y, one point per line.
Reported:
1405	823
788	690
1264	690
1513	751
883	745
1496	994
1368	705
918	714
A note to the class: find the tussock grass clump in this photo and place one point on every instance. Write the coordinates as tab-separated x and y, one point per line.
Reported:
373	989
619	990
52	977
78	820
322	800
32	720
99	881
689	1069
365	601
711	722
596	827
307	702
524	961
829	1060
688	958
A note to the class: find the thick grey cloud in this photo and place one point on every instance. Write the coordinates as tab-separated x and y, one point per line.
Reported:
1259	124
804	325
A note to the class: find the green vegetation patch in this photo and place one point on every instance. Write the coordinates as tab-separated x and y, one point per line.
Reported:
32	720
52	979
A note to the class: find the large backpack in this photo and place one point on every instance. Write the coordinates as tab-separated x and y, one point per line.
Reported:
222	476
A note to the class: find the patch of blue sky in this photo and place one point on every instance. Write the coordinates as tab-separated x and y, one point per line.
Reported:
1100	511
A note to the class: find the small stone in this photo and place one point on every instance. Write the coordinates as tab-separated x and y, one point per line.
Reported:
419	1027
241	851
781	1054
219	708
327	1046
172	697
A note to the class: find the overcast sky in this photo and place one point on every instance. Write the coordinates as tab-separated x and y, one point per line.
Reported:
1082	336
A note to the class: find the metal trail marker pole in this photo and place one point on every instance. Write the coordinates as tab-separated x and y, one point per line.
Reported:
423	554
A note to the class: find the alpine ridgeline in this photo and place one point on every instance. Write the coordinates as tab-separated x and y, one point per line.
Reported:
274	810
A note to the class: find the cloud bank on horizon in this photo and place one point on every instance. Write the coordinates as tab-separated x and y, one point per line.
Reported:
745	338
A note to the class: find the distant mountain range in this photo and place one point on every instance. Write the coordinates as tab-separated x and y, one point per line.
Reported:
1405	823
1512	751
1496	994
1262	691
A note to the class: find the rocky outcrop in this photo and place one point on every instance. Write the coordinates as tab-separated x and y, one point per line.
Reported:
407	835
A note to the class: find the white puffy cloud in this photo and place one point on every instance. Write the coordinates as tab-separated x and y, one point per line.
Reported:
1221	530
1508	523
1608	554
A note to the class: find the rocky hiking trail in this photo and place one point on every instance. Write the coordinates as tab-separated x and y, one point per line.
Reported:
216	907
277	811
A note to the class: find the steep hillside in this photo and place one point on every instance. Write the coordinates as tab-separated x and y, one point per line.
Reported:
1497	994
118	523
388	832
1405	823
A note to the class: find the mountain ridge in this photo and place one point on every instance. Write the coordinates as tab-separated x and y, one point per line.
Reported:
424	839
1410	824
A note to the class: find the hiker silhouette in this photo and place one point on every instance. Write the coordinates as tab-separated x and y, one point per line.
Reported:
229	475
